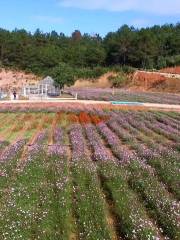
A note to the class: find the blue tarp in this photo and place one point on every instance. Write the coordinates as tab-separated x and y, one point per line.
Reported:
126	103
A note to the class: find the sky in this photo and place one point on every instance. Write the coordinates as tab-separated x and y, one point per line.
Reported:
88	16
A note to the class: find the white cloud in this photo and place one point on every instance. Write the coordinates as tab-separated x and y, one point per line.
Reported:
48	19
169	7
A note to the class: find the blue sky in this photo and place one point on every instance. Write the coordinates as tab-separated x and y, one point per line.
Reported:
90	16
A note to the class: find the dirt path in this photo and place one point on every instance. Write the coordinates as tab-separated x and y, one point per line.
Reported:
52	130
60	102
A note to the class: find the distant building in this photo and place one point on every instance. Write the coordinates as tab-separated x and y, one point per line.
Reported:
45	88
2	94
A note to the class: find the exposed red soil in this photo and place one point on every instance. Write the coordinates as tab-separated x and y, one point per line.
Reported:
173	70
148	79
154	81
140	80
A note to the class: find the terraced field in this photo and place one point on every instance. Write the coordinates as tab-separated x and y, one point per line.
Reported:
94	174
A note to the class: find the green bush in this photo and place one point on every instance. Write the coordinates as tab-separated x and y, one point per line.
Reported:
63	74
125	69
90	72
119	81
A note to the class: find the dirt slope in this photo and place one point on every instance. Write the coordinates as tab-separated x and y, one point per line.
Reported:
175	70
155	81
11	79
167	80
102	82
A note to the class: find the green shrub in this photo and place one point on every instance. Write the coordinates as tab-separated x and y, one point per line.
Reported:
125	69
63	74
119	81
90	72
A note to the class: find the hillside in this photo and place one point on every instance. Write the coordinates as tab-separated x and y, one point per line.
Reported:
85	55
167	80
173	70
12	79
101	82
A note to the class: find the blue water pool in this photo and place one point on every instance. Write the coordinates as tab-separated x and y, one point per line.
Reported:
126	103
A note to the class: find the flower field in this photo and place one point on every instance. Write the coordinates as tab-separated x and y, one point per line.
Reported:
90	174
108	94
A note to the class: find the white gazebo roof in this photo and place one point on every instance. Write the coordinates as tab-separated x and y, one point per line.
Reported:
47	80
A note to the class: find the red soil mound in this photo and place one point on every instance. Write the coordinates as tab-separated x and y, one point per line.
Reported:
154	81
173	70
148	80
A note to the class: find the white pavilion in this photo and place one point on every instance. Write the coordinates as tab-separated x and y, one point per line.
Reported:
45	88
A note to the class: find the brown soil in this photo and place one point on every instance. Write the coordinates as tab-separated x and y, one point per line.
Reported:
102	82
155	82
175	70
12	79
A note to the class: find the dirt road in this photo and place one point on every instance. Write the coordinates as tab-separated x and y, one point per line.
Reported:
85	102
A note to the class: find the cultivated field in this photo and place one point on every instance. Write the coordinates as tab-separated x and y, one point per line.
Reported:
108	94
89	173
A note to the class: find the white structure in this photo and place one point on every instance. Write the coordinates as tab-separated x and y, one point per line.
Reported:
43	89
3	95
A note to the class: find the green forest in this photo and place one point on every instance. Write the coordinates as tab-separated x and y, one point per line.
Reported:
83	55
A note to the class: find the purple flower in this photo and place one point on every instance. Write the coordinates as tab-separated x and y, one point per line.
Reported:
41	137
101	153
78	142
12	150
58	135
56	150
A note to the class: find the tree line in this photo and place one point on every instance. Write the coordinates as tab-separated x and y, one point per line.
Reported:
89	56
